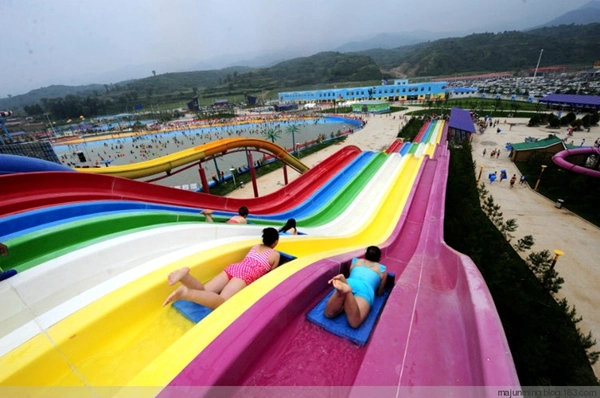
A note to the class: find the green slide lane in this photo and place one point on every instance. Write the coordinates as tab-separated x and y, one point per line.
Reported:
37	247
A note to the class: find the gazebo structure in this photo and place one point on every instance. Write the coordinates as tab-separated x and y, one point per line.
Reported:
461	125
550	146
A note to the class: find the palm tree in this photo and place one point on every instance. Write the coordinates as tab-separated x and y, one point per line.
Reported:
293	129
272	134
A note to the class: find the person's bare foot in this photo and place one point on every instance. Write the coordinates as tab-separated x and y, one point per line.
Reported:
207	211
341	287
180	292
340	284
177	275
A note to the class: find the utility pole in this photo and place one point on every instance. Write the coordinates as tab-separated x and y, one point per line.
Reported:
538	64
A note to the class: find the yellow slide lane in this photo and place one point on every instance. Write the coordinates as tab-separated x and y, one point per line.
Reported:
127	338
167	163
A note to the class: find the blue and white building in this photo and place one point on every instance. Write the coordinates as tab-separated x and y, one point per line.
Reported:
401	91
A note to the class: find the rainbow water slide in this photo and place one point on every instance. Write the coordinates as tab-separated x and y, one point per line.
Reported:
198	153
560	159
439	327
124	338
116	319
40	296
64	285
41	234
44	189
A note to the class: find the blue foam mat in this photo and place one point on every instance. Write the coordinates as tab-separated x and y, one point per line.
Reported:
192	311
339	325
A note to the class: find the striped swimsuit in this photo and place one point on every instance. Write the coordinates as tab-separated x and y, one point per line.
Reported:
252	267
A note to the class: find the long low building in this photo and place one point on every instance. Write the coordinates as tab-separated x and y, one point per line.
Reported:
401	90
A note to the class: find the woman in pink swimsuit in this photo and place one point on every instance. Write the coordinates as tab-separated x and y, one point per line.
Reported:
260	260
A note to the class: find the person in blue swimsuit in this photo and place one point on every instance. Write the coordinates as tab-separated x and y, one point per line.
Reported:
355	295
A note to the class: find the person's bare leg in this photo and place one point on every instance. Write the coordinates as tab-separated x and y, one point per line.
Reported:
232	287
335	304
214	287
217	283
356	309
208	214
183	275
208	299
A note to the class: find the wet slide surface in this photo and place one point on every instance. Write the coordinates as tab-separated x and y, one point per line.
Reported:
135	342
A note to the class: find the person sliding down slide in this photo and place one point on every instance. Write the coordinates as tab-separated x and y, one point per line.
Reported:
355	295
239	219
261	259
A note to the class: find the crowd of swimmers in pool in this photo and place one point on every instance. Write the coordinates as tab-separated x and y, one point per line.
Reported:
353	295
149	146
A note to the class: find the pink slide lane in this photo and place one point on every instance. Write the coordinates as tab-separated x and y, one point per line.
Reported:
560	160
439	327
449	334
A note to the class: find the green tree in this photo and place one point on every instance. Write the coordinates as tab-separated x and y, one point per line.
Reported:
154	73
272	134
524	244
293	129
542	265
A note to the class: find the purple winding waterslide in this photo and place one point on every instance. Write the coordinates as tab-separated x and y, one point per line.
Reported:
438	328
560	160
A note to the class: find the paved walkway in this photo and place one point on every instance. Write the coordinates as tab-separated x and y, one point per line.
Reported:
536	215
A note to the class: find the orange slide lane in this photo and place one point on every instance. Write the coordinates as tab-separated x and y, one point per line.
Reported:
198	153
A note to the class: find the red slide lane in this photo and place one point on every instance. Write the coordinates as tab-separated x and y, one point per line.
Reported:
26	191
395	146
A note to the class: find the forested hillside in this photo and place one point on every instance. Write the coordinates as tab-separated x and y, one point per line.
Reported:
487	52
490	52
321	68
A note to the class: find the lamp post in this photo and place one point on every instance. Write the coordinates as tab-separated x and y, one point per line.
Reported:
479	176
557	254
232	170
538	64
540	177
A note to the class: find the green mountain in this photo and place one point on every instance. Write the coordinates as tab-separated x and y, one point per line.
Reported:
325	67
492	52
134	90
486	52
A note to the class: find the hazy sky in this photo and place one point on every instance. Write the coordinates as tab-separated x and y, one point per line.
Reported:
78	42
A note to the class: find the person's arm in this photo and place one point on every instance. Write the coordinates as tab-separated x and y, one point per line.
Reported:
208	214
274	259
3	250
383	276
